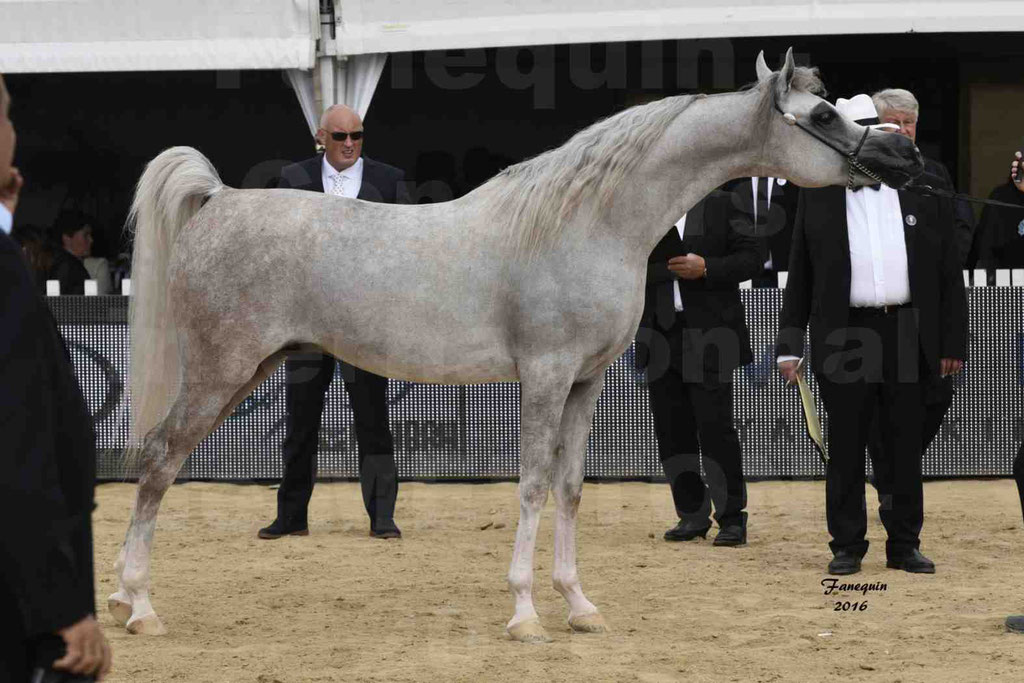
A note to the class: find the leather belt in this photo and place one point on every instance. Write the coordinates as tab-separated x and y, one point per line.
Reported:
878	310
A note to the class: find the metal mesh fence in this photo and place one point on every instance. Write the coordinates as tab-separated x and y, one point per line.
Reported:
472	431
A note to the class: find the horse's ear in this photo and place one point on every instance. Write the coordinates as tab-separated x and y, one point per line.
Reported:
785	76
763	72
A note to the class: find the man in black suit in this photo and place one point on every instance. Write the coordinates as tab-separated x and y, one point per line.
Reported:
877	275
47	474
899	107
340	170
768	205
692	336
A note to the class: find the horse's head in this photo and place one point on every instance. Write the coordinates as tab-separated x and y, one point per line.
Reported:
814	145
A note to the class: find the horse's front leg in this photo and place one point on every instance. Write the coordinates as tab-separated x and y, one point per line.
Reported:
568	487
542	400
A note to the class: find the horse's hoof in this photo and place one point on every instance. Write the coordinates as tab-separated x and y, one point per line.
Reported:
148	625
589	623
119	608
529	631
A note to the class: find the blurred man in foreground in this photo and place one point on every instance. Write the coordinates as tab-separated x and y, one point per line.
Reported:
47	474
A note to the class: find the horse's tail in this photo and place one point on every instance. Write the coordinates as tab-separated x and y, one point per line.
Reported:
170	192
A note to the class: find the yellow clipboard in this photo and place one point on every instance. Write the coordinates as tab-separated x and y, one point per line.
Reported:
811	414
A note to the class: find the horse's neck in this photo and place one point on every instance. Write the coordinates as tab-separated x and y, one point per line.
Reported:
709	143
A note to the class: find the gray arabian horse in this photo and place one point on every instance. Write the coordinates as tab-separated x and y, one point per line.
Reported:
537	276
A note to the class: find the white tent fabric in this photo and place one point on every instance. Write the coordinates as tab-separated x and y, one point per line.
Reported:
405	25
302	83
156	35
343	80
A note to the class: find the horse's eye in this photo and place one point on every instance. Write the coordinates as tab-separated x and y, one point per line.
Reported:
824	118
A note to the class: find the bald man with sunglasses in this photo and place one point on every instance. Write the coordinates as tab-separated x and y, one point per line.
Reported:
341	170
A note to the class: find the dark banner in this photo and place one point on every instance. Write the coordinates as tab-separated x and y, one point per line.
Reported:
473	431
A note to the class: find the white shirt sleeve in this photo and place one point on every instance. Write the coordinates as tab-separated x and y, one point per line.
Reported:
677	297
6	220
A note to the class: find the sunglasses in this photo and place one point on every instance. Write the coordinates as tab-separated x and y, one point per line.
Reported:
340	136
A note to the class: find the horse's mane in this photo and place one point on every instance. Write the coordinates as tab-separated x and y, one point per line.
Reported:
536	197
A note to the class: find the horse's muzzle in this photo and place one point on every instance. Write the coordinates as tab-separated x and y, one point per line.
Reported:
892	157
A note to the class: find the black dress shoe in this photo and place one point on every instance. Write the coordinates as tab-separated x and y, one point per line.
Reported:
913	562
731	536
277	529
686	531
1015	623
385	531
844	562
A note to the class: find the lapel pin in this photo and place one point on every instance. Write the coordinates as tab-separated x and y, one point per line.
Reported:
911	220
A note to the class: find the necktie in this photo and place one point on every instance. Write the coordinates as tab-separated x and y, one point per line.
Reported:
338	189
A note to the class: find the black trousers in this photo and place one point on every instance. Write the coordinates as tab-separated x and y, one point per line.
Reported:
938	396
1018	473
880	382
307	377
691	419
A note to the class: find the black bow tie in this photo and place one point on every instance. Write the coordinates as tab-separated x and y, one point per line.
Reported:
875	187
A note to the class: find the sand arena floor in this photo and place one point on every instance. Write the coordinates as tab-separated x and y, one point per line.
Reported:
339	606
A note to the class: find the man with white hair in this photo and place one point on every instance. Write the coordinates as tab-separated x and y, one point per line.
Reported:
899	107
876	274
343	171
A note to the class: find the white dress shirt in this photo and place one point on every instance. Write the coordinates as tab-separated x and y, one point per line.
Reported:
343	183
677	298
6	220
754	181
878	249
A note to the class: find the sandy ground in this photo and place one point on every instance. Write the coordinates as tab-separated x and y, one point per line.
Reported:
339	606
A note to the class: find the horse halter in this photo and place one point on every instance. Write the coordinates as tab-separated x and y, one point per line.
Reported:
851	157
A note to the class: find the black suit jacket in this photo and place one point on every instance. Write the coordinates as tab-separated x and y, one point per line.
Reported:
711	305
774	226
936	175
818	288
381	183
47	465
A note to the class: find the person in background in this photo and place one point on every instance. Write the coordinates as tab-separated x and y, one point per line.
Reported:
898	107
1000	242
47	476
692	302
342	171
38	252
74	231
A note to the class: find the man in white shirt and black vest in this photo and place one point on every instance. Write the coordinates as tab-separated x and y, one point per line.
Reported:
341	170
875	271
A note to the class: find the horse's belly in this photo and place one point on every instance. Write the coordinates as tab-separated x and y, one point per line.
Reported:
421	354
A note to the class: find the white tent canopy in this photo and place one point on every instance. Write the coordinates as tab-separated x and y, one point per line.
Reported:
156	35
404	25
159	35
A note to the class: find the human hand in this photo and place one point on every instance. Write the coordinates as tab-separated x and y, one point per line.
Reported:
950	366
789	369
689	267
88	652
10	189
1017	171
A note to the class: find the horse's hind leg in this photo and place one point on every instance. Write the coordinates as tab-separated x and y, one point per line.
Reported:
198	408
567	487
543	395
